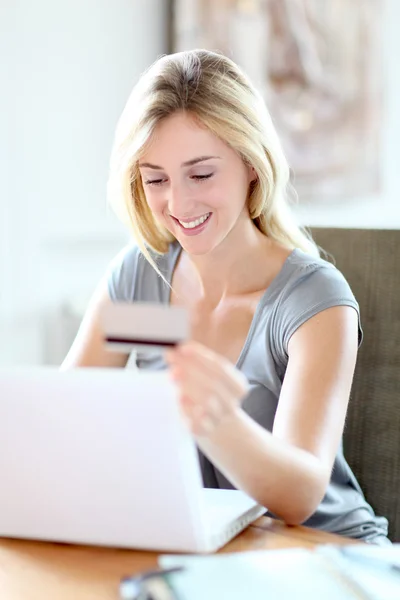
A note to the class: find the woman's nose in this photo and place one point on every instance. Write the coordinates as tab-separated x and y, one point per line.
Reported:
180	204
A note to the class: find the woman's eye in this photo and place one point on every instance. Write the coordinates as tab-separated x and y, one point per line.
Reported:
154	181
202	177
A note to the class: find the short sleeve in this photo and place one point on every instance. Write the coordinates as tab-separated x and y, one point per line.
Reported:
122	274
315	288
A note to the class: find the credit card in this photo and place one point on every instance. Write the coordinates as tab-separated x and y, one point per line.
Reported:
143	326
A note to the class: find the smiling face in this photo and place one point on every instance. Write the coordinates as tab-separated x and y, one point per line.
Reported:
195	185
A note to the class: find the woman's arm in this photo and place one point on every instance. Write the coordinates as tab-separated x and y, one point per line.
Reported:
287	471
88	349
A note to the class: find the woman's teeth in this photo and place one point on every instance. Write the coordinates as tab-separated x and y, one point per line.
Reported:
196	223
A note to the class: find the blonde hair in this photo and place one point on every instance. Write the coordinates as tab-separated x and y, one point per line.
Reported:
215	91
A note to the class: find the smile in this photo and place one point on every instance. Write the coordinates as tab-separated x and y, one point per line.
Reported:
195	222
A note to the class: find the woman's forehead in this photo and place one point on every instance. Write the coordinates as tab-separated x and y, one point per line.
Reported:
181	137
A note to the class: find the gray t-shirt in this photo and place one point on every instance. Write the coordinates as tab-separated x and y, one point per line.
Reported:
304	286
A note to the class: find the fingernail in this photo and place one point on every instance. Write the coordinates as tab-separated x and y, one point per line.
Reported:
207	424
174	376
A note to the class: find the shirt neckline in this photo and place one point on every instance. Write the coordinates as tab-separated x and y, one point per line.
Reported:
260	305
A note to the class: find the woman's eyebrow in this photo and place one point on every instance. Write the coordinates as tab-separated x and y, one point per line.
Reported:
187	163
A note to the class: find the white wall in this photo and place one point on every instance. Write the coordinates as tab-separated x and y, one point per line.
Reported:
68	71
383	210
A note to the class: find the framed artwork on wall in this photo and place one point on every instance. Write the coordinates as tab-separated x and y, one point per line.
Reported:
318	64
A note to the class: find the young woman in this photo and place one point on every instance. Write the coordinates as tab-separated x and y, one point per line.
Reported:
198	173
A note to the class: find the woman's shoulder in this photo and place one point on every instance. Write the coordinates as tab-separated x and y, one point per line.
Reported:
308	273
307	286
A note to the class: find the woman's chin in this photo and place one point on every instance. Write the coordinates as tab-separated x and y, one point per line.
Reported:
195	247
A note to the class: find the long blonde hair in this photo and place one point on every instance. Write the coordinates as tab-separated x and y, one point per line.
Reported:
212	88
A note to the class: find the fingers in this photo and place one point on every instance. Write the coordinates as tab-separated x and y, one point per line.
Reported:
201	423
216	368
210	386
202	389
204	406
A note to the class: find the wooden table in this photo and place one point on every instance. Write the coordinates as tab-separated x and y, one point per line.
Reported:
44	571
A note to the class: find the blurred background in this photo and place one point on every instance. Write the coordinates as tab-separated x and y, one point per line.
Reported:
328	70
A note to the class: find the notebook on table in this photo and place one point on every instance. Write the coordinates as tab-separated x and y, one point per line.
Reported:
325	573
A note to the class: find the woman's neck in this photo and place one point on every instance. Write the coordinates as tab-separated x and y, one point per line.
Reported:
234	267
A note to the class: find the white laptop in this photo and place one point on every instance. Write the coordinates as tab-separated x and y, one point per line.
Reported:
102	456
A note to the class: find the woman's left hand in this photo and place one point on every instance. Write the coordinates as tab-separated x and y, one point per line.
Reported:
210	386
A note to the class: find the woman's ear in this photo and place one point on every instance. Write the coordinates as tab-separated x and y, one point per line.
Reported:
252	175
